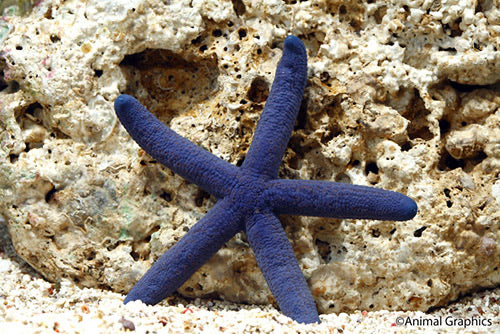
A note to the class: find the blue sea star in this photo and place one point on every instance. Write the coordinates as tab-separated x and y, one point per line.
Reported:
251	197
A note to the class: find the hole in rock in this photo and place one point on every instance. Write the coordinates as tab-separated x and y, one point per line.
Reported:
48	14
200	197
34	110
54	38
454	28
444	127
31	117
324	77
171	83
239	163
447	162
259	90
406	146
166	196
91	255
418	233
197	40
371	167
13	158
135	255
8	86
242	33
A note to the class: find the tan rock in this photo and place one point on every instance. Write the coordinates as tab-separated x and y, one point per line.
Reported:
401	96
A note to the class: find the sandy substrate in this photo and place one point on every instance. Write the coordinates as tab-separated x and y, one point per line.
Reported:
30	304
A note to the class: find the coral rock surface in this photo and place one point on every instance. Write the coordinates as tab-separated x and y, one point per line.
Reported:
401	95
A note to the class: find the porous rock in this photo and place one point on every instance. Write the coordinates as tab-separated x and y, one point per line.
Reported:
401	96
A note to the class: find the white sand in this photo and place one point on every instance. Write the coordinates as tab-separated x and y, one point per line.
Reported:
30	304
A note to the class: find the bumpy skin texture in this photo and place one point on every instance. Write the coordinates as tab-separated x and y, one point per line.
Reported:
251	197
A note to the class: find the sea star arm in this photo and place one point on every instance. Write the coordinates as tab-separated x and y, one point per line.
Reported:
338	200
279	266
197	246
282	106
177	153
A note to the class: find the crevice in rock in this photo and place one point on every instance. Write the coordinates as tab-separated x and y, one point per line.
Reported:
301	122
49	196
333	130
3	84
380	13
323	249
31	123
343	178
444	127
57	134
239	7
466	88
7	250
447	162
8	87
417	114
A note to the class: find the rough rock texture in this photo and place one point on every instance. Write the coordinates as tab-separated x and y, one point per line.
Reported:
402	95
